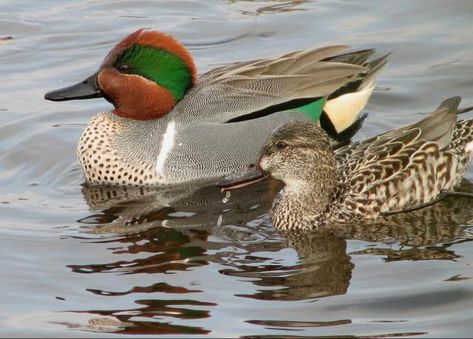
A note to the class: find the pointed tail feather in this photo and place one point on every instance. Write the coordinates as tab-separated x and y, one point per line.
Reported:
374	67
354	58
465	110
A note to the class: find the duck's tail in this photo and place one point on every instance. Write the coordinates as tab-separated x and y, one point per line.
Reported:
341	116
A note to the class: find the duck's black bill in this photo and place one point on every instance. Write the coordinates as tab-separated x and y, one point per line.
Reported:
86	89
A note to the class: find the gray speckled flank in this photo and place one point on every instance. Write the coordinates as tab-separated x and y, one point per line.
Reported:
396	170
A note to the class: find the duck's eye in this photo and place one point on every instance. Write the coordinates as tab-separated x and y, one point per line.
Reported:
125	68
281	145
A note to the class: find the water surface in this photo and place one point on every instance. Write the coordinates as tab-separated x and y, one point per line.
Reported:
84	261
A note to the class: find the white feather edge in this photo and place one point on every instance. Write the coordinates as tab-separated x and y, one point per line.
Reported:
469	147
344	110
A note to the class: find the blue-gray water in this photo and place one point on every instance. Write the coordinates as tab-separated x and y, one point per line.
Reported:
79	261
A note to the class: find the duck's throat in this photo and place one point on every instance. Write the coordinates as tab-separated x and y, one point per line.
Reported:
303	205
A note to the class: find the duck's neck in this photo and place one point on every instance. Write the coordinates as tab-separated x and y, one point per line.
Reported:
305	202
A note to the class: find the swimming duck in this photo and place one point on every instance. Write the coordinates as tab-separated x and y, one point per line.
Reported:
399	170
170	126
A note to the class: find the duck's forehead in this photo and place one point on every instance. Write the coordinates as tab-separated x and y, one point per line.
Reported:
123	45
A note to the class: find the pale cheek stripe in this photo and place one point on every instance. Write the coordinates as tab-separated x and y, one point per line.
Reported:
166	146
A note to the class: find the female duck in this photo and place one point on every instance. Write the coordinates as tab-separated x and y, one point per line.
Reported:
395	171
171	126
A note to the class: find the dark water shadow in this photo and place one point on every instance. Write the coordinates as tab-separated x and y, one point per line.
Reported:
178	229
165	231
278	7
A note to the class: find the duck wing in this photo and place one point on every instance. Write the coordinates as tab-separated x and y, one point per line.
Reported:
240	90
404	167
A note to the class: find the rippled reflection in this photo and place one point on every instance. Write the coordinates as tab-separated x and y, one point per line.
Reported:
275	6
167	231
324	269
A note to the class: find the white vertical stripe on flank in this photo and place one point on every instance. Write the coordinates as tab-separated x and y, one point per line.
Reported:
166	146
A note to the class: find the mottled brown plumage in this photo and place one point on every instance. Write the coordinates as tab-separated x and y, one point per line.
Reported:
397	170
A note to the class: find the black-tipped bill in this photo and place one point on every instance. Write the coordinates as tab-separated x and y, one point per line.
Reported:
86	89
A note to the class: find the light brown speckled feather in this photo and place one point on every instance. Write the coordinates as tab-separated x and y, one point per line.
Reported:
400	169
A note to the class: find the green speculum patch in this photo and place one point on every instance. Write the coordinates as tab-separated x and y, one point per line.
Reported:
156	64
314	109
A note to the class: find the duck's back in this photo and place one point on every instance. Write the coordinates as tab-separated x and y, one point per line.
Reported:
403	168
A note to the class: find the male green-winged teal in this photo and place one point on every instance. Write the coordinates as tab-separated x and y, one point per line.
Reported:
170	126
398	170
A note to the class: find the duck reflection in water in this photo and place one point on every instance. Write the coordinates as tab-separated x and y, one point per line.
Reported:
189	228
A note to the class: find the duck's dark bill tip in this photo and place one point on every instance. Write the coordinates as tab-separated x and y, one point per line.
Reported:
86	89
242	182
60	96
